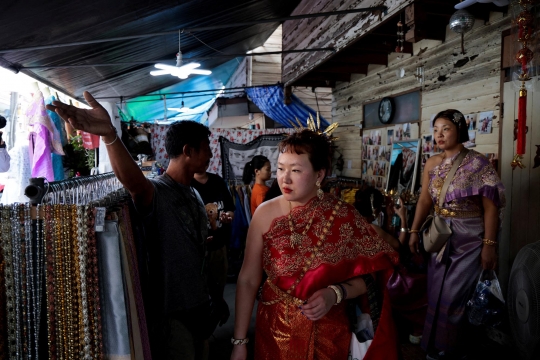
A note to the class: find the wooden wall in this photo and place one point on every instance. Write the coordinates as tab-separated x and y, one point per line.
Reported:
521	225
267	69
324	99
331	31
473	87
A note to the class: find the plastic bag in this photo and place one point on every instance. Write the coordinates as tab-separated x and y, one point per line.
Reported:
487	303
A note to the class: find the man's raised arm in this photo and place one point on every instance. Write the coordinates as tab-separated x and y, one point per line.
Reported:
98	122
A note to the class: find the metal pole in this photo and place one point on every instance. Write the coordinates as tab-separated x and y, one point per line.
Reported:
201	28
185	59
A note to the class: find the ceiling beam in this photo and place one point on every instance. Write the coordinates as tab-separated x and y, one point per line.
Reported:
326	76
341	68
203	28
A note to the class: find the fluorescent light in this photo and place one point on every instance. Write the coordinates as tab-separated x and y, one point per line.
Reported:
182	109
181	72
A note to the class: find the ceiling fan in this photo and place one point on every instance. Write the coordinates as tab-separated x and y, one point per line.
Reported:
180	70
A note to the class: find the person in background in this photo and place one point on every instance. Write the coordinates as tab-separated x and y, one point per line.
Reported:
260	169
273	192
408	285
176	227
473	208
317	251
4	156
220	210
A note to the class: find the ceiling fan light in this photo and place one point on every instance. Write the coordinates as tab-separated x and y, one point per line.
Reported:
201	72
158	72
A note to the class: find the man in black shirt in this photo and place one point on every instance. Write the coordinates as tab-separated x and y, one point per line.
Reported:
220	210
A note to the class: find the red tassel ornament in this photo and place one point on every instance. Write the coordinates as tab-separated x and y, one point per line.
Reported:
522	120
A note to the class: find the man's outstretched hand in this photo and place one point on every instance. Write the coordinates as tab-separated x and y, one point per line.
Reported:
94	121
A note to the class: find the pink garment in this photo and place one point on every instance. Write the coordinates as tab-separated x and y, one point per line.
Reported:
40	153
37	114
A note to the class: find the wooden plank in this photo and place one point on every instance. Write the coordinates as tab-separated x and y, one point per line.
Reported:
533	190
506	246
332	31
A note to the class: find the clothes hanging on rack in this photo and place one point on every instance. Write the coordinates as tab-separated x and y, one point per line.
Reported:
57	159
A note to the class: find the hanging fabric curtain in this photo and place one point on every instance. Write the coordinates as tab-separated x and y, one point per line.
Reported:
149	107
270	100
240	136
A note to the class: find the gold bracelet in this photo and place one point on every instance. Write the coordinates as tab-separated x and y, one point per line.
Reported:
413	231
489	242
338	292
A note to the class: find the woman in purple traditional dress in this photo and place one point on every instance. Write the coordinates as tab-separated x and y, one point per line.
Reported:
473	208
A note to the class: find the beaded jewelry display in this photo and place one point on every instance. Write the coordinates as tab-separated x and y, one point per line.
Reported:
17	288
82	249
50	276
4	237
93	285
7	249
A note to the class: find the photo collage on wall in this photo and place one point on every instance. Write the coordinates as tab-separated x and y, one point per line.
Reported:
376	152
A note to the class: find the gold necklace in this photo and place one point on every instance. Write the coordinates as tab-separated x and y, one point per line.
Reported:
296	238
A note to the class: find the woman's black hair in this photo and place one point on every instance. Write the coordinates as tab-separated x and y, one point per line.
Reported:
256	163
316	146
273	192
456	118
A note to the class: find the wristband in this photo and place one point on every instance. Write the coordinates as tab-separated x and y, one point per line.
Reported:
489	242
338	292
343	290
239	341
115	137
413	231
405	230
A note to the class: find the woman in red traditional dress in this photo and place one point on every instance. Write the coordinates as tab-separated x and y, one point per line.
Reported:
317	251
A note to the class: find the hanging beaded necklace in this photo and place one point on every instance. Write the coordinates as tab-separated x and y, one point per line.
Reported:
7	248
82	248
296	238
16	236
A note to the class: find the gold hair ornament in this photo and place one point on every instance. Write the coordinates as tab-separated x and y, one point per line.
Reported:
316	127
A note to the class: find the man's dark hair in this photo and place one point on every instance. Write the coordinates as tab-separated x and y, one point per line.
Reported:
183	133
3	122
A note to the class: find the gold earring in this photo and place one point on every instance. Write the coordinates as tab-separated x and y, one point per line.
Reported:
320	193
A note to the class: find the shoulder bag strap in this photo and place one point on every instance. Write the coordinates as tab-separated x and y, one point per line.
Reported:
450	176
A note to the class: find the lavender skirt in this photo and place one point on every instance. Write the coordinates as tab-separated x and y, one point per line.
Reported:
451	283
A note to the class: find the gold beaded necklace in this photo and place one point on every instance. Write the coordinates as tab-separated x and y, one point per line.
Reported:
296	238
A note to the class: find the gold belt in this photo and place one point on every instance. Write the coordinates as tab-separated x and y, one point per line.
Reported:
457	213
282	296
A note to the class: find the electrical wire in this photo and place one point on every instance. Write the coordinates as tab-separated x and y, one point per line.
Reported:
210	47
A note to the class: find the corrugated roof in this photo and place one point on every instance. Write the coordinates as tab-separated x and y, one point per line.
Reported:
33	23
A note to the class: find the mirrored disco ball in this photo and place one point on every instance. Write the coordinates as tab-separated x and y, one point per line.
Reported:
461	22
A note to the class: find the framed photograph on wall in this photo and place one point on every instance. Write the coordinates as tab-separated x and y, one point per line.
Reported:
404	161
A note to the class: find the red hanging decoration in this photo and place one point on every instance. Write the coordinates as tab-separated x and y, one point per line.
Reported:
400	38
522	120
525	22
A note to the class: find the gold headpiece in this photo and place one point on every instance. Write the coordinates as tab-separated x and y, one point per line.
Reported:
316	127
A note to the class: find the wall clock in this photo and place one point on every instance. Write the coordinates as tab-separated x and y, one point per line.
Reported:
386	110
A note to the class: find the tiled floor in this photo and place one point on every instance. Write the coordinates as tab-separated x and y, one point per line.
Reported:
220	345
